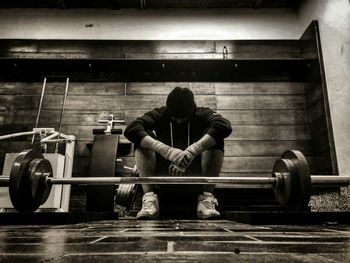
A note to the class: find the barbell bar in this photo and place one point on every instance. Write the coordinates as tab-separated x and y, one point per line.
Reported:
329	180
31	180
152	180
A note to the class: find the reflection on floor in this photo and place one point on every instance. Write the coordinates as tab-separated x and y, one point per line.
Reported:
170	240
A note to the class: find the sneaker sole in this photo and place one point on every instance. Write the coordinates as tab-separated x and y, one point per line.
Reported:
145	217
201	216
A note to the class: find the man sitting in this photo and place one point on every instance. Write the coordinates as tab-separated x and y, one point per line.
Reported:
198	133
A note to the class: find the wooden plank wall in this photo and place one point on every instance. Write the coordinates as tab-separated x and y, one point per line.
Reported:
268	118
317	106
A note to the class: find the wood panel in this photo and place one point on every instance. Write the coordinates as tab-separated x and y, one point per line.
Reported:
315	111
267	118
113	88
232	148
313	94
97	103
232	165
71	117
240	132
163	88
321	147
247	117
270	132
248	164
317	128
264	117
260	88
265	148
317	106
263	102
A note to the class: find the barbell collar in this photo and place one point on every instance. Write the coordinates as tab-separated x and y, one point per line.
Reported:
4	181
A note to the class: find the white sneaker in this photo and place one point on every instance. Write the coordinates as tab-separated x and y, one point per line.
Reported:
206	206
150	207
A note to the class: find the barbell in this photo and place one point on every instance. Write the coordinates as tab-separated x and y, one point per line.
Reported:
31	180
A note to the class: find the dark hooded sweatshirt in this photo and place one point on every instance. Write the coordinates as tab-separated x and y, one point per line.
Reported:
158	124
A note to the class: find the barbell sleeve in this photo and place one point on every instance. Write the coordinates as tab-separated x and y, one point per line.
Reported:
4	180
330	180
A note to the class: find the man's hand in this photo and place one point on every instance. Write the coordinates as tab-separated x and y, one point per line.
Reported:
174	155
190	153
179	170
196	149
175	170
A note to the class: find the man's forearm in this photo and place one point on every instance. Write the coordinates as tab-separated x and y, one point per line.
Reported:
196	149
147	142
206	142
172	154
201	145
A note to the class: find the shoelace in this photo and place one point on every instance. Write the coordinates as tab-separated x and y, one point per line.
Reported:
148	204
210	203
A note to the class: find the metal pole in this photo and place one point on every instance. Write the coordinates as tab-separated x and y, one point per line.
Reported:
154	180
318	180
18	134
4	180
330	180
62	112
162	180
40	105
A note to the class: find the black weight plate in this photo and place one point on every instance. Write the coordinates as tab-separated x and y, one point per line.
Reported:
284	193
125	195
122	194
132	197
304	179
19	182
119	196
40	189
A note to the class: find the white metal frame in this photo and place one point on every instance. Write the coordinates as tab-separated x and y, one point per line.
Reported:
49	135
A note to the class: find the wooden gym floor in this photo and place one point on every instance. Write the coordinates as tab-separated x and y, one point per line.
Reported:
174	240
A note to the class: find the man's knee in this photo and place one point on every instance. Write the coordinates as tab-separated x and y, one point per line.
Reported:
145	158
212	155
144	153
211	162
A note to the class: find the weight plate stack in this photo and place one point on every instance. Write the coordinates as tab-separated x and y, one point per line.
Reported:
303	177
39	170
26	187
285	192
126	193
